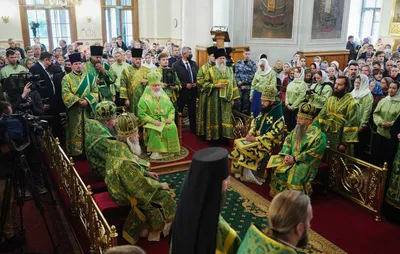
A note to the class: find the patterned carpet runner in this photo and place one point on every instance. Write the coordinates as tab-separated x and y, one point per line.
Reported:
244	207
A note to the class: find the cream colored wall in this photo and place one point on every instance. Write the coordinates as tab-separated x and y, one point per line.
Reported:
87	32
385	22
12	29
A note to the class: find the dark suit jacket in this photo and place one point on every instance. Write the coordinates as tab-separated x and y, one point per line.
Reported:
183	76
48	92
352	53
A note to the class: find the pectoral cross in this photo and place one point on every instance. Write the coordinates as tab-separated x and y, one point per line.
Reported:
269	120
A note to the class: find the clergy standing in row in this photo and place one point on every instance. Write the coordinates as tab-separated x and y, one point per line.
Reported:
105	77
80	95
157	113
267	132
118	67
203	96
222	91
134	81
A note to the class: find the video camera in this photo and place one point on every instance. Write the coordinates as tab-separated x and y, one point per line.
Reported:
15	83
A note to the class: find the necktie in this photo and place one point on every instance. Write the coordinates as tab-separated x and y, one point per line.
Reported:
189	70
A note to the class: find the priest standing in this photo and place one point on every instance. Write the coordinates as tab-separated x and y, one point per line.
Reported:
222	91
105	77
134	81
80	95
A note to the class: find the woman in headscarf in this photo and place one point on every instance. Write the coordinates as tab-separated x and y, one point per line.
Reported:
314	67
363	96
263	77
295	95
320	91
376	90
331	71
335	64
324	65
386	112
285	82
385	82
278	68
308	77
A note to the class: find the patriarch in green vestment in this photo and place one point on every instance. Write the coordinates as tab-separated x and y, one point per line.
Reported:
105	76
203	92
266	133
133	82
221	91
157	113
297	163
289	218
198	226
129	183
340	117
80	96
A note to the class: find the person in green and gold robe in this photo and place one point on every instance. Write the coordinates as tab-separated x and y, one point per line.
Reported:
99	138
157	113
172	90
198	226
105	76
289	218
266	133
297	163
134	81
118	67
340	118
203	92
80	96
129	183
222	91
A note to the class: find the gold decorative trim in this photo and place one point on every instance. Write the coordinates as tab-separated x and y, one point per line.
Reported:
394	28
316	241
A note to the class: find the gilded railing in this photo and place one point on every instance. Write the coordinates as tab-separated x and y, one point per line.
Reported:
241	123
357	180
82	204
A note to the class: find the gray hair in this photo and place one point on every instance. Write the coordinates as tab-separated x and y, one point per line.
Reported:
185	49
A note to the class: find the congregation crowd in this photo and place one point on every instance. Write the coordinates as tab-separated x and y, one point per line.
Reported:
298	111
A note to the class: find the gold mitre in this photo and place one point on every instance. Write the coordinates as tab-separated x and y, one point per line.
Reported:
307	111
269	94
126	125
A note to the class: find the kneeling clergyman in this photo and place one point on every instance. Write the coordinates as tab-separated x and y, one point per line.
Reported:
129	183
289	218
267	132
297	163
157	113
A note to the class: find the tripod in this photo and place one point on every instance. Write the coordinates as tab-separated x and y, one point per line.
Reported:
20	175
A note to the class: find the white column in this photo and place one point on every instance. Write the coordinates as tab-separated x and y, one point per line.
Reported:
221	12
386	14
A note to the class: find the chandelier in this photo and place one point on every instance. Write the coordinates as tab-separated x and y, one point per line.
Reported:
63	2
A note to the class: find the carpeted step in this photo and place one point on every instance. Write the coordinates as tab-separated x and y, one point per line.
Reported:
82	167
114	213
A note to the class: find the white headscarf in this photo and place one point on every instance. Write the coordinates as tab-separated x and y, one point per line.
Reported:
396	97
364	87
267	68
301	77
325	77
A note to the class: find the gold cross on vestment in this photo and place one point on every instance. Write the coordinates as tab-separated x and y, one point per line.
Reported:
269	119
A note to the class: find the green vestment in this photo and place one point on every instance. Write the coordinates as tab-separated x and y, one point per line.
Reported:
118	68
203	98
164	138
129	184
228	241
172	94
256	241
340	120
132	87
218	113
387	110
393	193
268	128
74	88
105	80
307	155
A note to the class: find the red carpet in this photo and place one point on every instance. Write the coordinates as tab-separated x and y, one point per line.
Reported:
340	221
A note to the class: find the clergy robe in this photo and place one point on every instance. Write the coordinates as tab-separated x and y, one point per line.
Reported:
307	156
228	241
129	184
74	88
218	116
340	120
105	80
118	68
256	241
164	138
269	130
172	94
132	87
203	97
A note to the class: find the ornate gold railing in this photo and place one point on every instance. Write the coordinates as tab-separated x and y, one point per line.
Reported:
241	123
357	180
82	204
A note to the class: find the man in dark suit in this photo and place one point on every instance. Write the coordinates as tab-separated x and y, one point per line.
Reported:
352	50
186	70
11	43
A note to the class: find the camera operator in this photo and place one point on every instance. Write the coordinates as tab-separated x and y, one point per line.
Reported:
10	241
28	100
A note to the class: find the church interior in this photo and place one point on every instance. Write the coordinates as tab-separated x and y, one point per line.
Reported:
123	121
